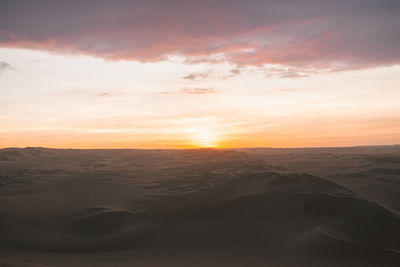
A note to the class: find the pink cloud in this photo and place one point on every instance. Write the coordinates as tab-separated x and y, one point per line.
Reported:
332	35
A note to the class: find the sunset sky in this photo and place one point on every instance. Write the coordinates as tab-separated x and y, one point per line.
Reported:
183	74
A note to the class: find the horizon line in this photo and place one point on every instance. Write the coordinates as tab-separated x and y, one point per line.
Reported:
200	148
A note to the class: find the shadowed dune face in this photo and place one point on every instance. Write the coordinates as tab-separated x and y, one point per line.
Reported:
202	203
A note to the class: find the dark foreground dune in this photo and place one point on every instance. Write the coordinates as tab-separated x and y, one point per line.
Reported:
247	207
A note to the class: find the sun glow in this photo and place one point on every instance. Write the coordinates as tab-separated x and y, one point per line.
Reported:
204	137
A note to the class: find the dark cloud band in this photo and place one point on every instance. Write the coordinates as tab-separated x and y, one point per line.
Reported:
333	35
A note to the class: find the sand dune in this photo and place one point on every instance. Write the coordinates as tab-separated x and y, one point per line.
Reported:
177	207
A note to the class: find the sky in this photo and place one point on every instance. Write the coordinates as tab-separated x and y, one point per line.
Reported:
187	74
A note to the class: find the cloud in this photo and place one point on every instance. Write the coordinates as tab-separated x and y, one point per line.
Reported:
104	94
213	74
4	66
198	75
235	71
276	71
190	76
198	91
190	91
291	74
324	34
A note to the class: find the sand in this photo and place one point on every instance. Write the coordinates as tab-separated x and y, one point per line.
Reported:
204	207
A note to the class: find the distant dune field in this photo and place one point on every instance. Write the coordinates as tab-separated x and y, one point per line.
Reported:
204	207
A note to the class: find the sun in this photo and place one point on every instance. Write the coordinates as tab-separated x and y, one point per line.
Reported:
204	137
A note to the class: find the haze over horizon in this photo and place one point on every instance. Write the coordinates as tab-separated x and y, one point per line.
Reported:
190	74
